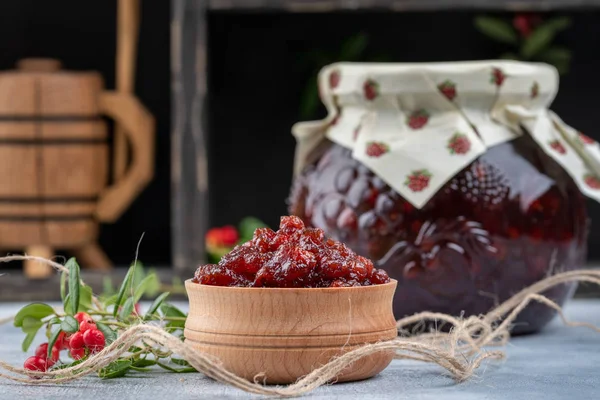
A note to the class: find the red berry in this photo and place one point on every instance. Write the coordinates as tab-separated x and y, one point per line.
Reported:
62	342
35	363
82	316
94	340
76	341
87	325
77	354
42	352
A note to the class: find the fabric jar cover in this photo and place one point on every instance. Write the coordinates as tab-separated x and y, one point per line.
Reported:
417	125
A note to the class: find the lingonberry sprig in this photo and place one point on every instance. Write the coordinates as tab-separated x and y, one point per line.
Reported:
89	323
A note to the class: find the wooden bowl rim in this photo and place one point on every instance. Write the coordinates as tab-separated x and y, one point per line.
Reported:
189	285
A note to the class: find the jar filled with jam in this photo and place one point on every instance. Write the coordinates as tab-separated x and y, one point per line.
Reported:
455	178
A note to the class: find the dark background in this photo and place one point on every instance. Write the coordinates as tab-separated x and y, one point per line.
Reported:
259	65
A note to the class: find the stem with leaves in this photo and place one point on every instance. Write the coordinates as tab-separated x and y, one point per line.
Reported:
112	314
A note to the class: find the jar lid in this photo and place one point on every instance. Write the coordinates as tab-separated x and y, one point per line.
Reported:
416	125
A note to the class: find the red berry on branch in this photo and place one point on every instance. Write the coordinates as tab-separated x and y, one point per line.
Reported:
82	316
87	325
94	340
225	236
42	352
62	342
35	363
526	23
77	354
76	341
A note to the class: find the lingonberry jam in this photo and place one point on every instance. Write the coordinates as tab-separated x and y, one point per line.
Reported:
509	219
292	257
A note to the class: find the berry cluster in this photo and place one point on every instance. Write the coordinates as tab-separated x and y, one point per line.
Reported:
294	256
87	340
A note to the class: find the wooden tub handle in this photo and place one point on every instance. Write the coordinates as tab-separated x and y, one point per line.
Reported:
138	126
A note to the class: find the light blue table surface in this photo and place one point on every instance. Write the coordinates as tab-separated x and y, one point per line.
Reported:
560	363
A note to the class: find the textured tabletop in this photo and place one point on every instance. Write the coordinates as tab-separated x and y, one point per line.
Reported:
560	363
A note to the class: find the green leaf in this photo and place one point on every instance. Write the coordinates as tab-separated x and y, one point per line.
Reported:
557	56
143	286
509	56
110	300
497	29
107	286
125	285
34	310
63	286
558	24
353	48
53	338
54	321
68	365
142	363
540	38
176	370
309	102
31	324
170	310
115	369
27	341
109	335
247	227
67	301
85	300
181	362
154	286
74	283
127	308
139	273
69	324
157	302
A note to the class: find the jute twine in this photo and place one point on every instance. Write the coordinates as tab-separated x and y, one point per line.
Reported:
459	351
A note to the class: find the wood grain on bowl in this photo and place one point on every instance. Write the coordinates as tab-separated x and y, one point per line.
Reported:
286	333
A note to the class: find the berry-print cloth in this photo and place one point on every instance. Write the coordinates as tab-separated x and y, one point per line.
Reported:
418	125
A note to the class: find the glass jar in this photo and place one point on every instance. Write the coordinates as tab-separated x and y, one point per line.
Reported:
508	218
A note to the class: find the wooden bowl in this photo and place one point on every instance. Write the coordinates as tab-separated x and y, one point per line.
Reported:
286	333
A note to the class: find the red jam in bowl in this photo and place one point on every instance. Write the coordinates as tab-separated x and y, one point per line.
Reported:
292	257
508	220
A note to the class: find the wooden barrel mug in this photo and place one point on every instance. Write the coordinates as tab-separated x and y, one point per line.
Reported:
54	160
